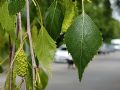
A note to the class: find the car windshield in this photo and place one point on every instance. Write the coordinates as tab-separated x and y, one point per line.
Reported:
64	49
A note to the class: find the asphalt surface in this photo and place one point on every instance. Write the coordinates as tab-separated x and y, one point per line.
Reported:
103	73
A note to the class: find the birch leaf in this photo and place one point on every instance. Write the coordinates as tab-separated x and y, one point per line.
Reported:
45	48
53	20
83	40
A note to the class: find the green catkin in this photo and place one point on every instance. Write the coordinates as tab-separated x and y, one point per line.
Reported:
21	63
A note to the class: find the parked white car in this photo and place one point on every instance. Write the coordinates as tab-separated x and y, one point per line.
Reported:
116	44
62	54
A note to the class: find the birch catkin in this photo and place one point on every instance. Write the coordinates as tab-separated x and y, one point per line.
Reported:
21	63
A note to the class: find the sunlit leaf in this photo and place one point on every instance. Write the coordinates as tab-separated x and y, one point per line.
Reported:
7	21
70	14
45	48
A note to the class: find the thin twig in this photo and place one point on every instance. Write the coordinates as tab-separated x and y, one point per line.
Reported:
30	41
10	56
20	26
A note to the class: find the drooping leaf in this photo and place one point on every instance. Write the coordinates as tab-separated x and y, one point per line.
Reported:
42	79
2	39
44	4
70	14
29	79
7	21
38	84
7	82
53	20
15	6
83	40
34	35
45	48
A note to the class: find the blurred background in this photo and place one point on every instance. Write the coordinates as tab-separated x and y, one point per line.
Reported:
102	73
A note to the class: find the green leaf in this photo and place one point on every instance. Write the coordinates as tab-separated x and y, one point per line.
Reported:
2	38
83	40
7	82
2	2
53	20
29	78
45	48
34	35
7	21
16	6
70	14
42	79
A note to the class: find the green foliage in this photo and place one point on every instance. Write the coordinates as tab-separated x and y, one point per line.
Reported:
83	40
7	21
101	13
44	78
45	48
54	19
41	79
15	6
82	37
28	78
7	83
2	2
70	13
2	33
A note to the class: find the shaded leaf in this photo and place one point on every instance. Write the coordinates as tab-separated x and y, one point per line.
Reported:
2	38
41	79
7	82
83	40
15	6
45	48
44	78
53	20
34	35
29	78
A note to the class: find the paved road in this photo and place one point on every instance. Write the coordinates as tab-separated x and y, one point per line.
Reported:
103	73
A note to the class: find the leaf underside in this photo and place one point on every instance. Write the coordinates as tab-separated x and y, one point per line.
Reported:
45	48
83	40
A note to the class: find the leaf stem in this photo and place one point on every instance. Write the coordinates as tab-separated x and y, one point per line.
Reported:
83	7
30	41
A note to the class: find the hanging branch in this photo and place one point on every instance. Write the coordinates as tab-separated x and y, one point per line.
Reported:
12	46
10	58
30	41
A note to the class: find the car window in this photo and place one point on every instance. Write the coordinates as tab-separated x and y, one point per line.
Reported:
64	49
